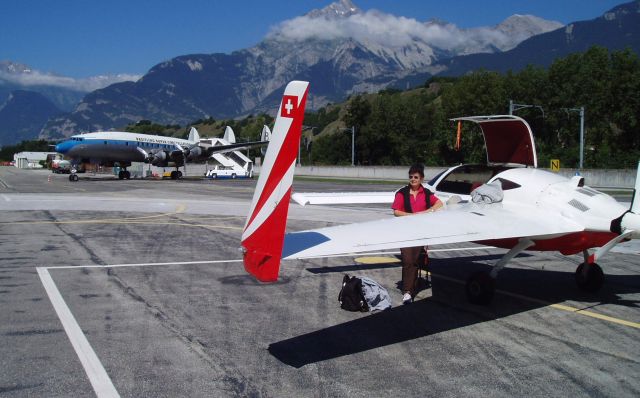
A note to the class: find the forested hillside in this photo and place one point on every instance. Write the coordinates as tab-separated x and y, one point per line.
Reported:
398	128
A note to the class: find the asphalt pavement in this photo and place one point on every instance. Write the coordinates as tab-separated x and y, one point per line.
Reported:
136	288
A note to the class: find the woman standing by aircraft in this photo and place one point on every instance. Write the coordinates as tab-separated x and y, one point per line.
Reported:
412	199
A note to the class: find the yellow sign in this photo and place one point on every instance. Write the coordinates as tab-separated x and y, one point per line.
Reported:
555	164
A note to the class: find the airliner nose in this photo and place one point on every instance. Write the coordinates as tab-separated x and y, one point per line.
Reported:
63	147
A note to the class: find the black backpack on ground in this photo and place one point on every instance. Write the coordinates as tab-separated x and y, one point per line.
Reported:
351	297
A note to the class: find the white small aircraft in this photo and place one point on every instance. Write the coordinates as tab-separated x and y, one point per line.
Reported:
509	143
539	211
108	147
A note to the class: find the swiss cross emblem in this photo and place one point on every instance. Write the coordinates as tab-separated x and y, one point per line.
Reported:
289	106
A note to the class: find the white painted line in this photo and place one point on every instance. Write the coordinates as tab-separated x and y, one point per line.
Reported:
239	260
144	264
102	384
6	198
98	377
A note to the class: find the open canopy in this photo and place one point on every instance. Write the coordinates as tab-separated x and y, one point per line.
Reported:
508	139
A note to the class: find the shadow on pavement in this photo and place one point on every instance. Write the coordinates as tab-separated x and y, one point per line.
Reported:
445	311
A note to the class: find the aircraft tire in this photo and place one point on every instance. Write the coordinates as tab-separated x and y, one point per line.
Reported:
178	174
480	288
174	175
127	175
73	177
121	175
592	281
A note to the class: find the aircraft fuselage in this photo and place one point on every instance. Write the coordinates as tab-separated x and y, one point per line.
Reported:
120	147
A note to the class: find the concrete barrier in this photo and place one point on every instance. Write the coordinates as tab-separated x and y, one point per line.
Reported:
623	178
605	178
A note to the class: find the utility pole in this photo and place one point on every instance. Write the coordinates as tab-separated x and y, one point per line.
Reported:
353	143
581	111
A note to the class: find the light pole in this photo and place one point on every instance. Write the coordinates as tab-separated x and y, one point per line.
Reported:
581	110
353	143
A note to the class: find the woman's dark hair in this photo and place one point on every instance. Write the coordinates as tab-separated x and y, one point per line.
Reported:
417	168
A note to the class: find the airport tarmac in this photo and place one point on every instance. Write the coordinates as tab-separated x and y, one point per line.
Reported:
136	288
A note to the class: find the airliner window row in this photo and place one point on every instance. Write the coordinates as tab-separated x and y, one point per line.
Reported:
134	143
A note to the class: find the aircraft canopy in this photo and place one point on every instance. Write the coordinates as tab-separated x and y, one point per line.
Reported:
508	139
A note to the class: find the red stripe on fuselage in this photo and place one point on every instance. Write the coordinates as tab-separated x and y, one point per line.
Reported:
566	244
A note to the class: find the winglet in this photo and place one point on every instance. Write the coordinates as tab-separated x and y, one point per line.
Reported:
263	234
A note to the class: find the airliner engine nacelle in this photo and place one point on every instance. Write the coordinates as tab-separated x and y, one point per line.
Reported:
194	153
159	158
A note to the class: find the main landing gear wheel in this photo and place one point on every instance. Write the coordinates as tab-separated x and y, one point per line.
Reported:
124	175
480	288
176	175
73	177
589	277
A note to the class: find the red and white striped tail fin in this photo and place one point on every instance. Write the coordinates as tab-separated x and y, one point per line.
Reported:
263	234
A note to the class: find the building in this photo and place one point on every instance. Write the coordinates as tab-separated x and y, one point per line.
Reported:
26	160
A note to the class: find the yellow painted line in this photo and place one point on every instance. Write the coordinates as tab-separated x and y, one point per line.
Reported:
376	260
561	307
181	208
596	315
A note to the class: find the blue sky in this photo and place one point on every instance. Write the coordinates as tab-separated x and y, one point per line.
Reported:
82	38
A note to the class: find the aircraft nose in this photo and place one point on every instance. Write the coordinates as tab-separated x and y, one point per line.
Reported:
63	147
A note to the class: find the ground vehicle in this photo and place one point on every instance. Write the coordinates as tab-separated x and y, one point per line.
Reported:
220	171
60	166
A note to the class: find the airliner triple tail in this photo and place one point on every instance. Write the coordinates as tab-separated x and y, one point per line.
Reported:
109	147
539	210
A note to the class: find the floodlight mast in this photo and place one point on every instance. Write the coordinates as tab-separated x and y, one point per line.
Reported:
353	143
581	110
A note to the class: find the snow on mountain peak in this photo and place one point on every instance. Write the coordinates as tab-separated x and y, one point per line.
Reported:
338	9
375	30
24	75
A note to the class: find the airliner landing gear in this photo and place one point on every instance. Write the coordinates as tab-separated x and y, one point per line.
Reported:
589	276
176	175
73	177
124	175
481	286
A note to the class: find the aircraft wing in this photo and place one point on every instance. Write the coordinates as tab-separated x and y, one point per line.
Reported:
333	198
461	223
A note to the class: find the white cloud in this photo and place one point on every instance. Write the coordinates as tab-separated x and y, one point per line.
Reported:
37	78
391	31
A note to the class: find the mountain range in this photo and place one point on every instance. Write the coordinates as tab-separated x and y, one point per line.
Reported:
342	50
339	48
